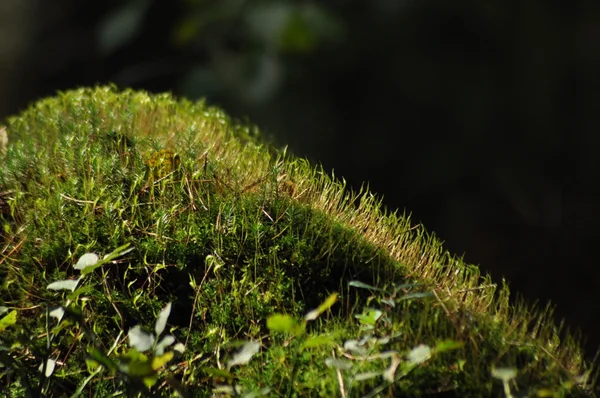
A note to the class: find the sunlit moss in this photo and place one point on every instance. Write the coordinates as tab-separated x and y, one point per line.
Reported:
231	230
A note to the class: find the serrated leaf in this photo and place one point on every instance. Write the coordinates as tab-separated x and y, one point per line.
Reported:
69	284
161	321
139	339
87	260
8	320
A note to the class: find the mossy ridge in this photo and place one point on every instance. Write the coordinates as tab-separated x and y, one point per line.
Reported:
265	220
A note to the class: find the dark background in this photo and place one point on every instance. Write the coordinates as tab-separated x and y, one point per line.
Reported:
481	118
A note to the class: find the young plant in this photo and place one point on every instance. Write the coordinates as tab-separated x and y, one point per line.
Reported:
376	327
184	183
66	315
140	369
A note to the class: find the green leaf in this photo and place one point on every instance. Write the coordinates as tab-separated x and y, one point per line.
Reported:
151	380
140	368
82	290
161	360
318	341
8	320
447	345
369	318
218	373
282	323
118	252
100	357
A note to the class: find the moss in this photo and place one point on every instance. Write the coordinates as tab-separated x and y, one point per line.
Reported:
231	231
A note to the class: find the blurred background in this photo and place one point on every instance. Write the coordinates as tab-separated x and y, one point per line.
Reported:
481	118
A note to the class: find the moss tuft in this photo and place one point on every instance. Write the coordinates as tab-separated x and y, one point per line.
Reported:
231	232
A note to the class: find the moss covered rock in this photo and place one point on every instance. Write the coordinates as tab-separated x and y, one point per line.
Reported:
232	231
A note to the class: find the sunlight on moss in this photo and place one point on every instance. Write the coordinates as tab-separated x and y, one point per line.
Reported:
237	250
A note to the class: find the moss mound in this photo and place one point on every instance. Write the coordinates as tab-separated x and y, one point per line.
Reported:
231	232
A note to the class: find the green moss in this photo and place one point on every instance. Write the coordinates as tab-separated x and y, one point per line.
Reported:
231	231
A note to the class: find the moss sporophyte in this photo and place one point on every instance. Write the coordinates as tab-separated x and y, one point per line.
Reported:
152	245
